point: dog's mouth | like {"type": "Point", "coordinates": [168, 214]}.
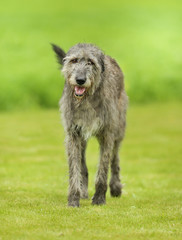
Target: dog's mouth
{"type": "Point", "coordinates": [79, 91]}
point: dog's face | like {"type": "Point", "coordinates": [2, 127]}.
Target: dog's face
{"type": "Point", "coordinates": [82, 68]}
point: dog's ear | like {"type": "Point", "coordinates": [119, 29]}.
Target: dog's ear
{"type": "Point", "coordinates": [102, 62]}
{"type": "Point", "coordinates": [60, 54]}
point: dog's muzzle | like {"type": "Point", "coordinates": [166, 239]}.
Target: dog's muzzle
{"type": "Point", "coordinates": [80, 81]}
{"type": "Point", "coordinates": [79, 88]}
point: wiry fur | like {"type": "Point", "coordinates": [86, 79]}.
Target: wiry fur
{"type": "Point", "coordinates": [100, 113]}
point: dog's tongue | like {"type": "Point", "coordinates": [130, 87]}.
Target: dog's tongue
{"type": "Point", "coordinates": [79, 90]}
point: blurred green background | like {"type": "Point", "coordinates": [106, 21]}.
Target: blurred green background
{"type": "Point", "coordinates": [145, 37]}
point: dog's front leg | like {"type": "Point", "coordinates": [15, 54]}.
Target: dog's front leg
{"type": "Point", "coordinates": [84, 172]}
{"type": "Point", "coordinates": [106, 148]}
{"type": "Point", "coordinates": [74, 161]}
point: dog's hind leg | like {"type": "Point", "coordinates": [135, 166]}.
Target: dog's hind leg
{"type": "Point", "coordinates": [84, 172]}
{"type": "Point", "coordinates": [115, 183]}
{"type": "Point", "coordinates": [106, 148]}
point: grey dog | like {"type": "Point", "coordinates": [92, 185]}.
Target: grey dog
{"type": "Point", "coordinates": [93, 103]}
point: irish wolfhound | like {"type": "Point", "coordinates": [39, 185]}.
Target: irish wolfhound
{"type": "Point", "coordinates": [93, 103]}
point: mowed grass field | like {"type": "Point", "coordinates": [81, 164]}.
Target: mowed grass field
{"type": "Point", "coordinates": [34, 179]}
{"type": "Point", "coordinates": [145, 37]}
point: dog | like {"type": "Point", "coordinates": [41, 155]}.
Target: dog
{"type": "Point", "coordinates": [94, 103]}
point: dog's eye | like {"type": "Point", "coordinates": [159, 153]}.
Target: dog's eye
{"type": "Point", "coordinates": [75, 60]}
{"type": "Point", "coordinates": [90, 62]}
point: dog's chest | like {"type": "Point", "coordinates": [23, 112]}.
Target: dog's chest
{"type": "Point", "coordinates": [87, 120]}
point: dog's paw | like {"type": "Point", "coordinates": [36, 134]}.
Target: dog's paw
{"type": "Point", "coordinates": [84, 196]}
{"type": "Point", "coordinates": [99, 199]}
{"type": "Point", "coordinates": [116, 189]}
{"type": "Point", "coordinates": [73, 203]}
{"type": "Point", "coordinates": [74, 200]}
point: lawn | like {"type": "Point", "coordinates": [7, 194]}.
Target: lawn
{"type": "Point", "coordinates": [34, 179]}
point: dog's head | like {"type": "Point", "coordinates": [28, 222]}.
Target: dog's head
{"type": "Point", "coordinates": [83, 67]}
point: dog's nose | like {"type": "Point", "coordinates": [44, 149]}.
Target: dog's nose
{"type": "Point", "coordinates": [80, 81]}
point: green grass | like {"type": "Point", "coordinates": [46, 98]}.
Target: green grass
{"type": "Point", "coordinates": [145, 37]}
{"type": "Point", "coordinates": [34, 179]}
